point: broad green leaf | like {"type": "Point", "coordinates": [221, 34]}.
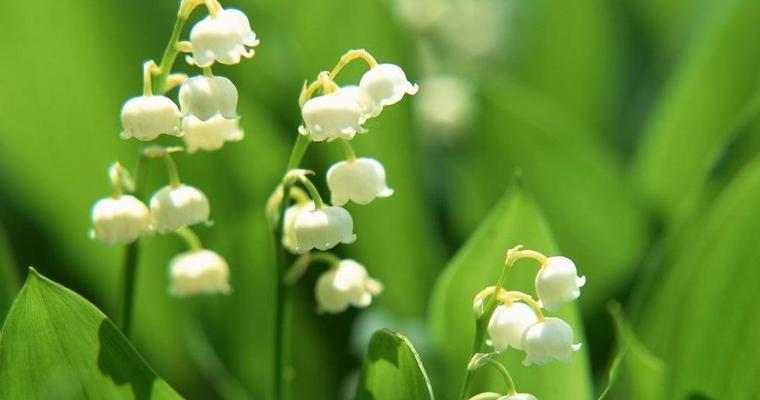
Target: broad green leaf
{"type": "Point", "coordinates": [697, 316]}
{"type": "Point", "coordinates": [9, 281]}
{"type": "Point", "coordinates": [55, 344]}
{"type": "Point", "coordinates": [514, 220]}
{"type": "Point", "coordinates": [392, 370]}
{"type": "Point", "coordinates": [690, 123]}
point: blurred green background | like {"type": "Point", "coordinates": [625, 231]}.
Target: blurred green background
{"type": "Point", "coordinates": [634, 125]}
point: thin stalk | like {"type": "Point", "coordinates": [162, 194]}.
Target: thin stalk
{"type": "Point", "coordinates": [131, 255]}
{"type": "Point", "coordinates": [169, 56]}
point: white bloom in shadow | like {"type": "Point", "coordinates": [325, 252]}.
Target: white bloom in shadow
{"type": "Point", "coordinates": [289, 240]}
{"type": "Point", "coordinates": [547, 340]}
{"type": "Point", "coordinates": [323, 228]}
{"type": "Point", "coordinates": [198, 272]}
{"type": "Point", "coordinates": [346, 284]}
{"type": "Point", "coordinates": [518, 396]}
{"type": "Point", "coordinates": [175, 207]}
{"type": "Point", "coordinates": [120, 220]}
{"type": "Point", "coordinates": [558, 282]}
{"type": "Point", "coordinates": [359, 180]}
{"type": "Point", "coordinates": [146, 117]}
{"type": "Point", "coordinates": [210, 135]}
{"type": "Point", "coordinates": [224, 37]}
{"type": "Point", "coordinates": [204, 97]}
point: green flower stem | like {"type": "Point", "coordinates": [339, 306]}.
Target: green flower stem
{"type": "Point", "coordinates": [348, 150]}
{"type": "Point", "coordinates": [283, 370]}
{"type": "Point", "coordinates": [505, 374]}
{"type": "Point", "coordinates": [313, 192]}
{"type": "Point", "coordinates": [171, 171]}
{"type": "Point", "coordinates": [192, 240]}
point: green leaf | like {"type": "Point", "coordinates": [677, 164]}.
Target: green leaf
{"type": "Point", "coordinates": [392, 370]}
{"type": "Point", "coordinates": [698, 315]}
{"type": "Point", "coordinates": [515, 220]}
{"type": "Point", "coordinates": [55, 344]}
{"type": "Point", "coordinates": [688, 128]}
{"type": "Point", "coordinates": [9, 281]}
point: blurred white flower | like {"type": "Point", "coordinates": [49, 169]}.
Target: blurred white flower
{"type": "Point", "coordinates": [120, 220]}
{"type": "Point", "coordinates": [474, 28]}
{"type": "Point", "coordinates": [146, 117]}
{"type": "Point", "coordinates": [223, 37]}
{"type": "Point", "coordinates": [332, 116]}
{"type": "Point", "coordinates": [204, 97]}
{"type": "Point", "coordinates": [346, 284]}
{"type": "Point", "coordinates": [289, 227]}
{"type": "Point", "coordinates": [211, 134]}
{"type": "Point", "coordinates": [420, 14]}
{"type": "Point", "coordinates": [323, 228]}
{"type": "Point", "coordinates": [546, 340]}
{"type": "Point", "coordinates": [558, 282]}
{"type": "Point", "coordinates": [518, 396]}
{"type": "Point", "coordinates": [385, 84]}
{"type": "Point", "coordinates": [359, 180]}
{"type": "Point", "coordinates": [198, 272]}
{"type": "Point", "coordinates": [175, 207]}
{"type": "Point", "coordinates": [508, 323]}
{"type": "Point", "coordinates": [445, 106]}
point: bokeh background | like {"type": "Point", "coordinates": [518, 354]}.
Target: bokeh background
{"type": "Point", "coordinates": [634, 125]}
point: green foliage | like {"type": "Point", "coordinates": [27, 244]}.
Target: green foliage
{"type": "Point", "coordinates": [392, 370]}
{"type": "Point", "coordinates": [514, 220]}
{"type": "Point", "coordinates": [55, 344]}
{"type": "Point", "coordinates": [9, 281]}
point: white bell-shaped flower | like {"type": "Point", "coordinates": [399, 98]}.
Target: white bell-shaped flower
{"type": "Point", "coordinates": [359, 180]}
{"type": "Point", "coordinates": [558, 282]}
{"type": "Point", "coordinates": [518, 396]}
{"type": "Point", "coordinates": [120, 220]}
{"type": "Point", "coordinates": [385, 84]}
{"type": "Point", "coordinates": [146, 117]}
{"type": "Point", "coordinates": [289, 240]}
{"type": "Point", "coordinates": [224, 37]}
{"type": "Point", "coordinates": [198, 272]}
{"type": "Point", "coordinates": [508, 323]}
{"type": "Point", "coordinates": [347, 284]}
{"type": "Point", "coordinates": [211, 134]}
{"type": "Point", "coordinates": [205, 97]}
{"type": "Point", "coordinates": [361, 98]}
{"type": "Point", "coordinates": [175, 207]}
{"type": "Point", "coordinates": [547, 340]}
{"type": "Point", "coordinates": [323, 228]}
{"type": "Point", "coordinates": [332, 116]}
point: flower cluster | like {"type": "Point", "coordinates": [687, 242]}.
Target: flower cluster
{"type": "Point", "coordinates": [515, 319]}
{"type": "Point", "coordinates": [205, 119]}
{"type": "Point", "coordinates": [332, 113]}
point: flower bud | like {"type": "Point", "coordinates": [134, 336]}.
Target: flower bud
{"type": "Point", "coordinates": [120, 220]}
{"type": "Point", "coordinates": [175, 207]}
{"type": "Point", "coordinates": [359, 180]}
{"type": "Point", "coordinates": [205, 97]}
{"type": "Point", "coordinates": [323, 228]}
{"type": "Point", "coordinates": [558, 282]}
{"type": "Point", "coordinates": [518, 396]}
{"type": "Point", "coordinates": [146, 117]}
{"type": "Point", "coordinates": [508, 323]}
{"type": "Point", "coordinates": [332, 116]}
{"type": "Point", "coordinates": [385, 84]}
{"type": "Point", "coordinates": [289, 228]}
{"type": "Point", "coordinates": [198, 272]}
{"type": "Point", "coordinates": [347, 284]}
{"type": "Point", "coordinates": [222, 37]}
{"type": "Point", "coordinates": [551, 338]}
{"type": "Point", "coordinates": [210, 135]}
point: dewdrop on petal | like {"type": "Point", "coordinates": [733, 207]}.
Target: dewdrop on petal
{"type": "Point", "coordinates": [323, 228]}
{"type": "Point", "coordinates": [198, 272]}
{"type": "Point", "coordinates": [347, 284]}
{"type": "Point", "coordinates": [210, 135]}
{"type": "Point", "coordinates": [385, 84]}
{"type": "Point", "coordinates": [175, 207]}
{"type": "Point", "coordinates": [120, 220]}
{"type": "Point", "coordinates": [332, 116]}
{"type": "Point", "coordinates": [289, 227]}
{"type": "Point", "coordinates": [508, 323]}
{"type": "Point", "coordinates": [518, 396]}
{"type": "Point", "coordinates": [146, 117]}
{"type": "Point", "coordinates": [223, 38]}
{"type": "Point", "coordinates": [359, 180]}
{"type": "Point", "coordinates": [547, 340]}
{"type": "Point", "coordinates": [558, 282]}
{"type": "Point", "coordinates": [204, 97]}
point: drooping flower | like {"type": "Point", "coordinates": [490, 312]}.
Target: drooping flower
{"type": "Point", "coordinates": [558, 282]}
{"type": "Point", "coordinates": [547, 340]}
{"type": "Point", "coordinates": [518, 396]}
{"type": "Point", "coordinates": [146, 117]}
{"type": "Point", "coordinates": [508, 323]}
{"type": "Point", "coordinates": [175, 207]}
{"type": "Point", "coordinates": [332, 116]}
{"type": "Point", "coordinates": [323, 228]}
{"type": "Point", "coordinates": [120, 220]}
{"type": "Point", "coordinates": [289, 240]}
{"type": "Point", "coordinates": [347, 284]}
{"type": "Point", "coordinates": [205, 97]}
{"type": "Point", "coordinates": [198, 272]}
{"type": "Point", "coordinates": [211, 134]}
{"type": "Point", "coordinates": [224, 37]}
{"type": "Point", "coordinates": [359, 180]}
{"type": "Point", "coordinates": [385, 84]}
{"type": "Point", "coordinates": [445, 106]}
